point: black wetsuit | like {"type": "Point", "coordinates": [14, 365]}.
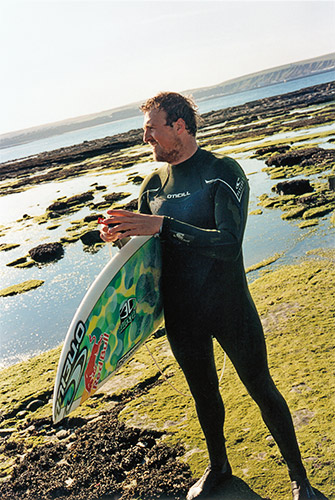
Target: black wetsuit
{"type": "Point", "coordinates": [205, 292]}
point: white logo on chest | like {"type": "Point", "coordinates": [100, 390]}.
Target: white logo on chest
{"type": "Point", "coordinates": [177, 195]}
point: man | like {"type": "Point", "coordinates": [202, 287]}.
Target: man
{"type": "Point", "coordinates": [198, 206]}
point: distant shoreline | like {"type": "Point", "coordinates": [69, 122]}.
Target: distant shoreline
{"type": "Point", "coordinates": [266, 78]}
{"type": "Point", "coordinates": [316, 94]}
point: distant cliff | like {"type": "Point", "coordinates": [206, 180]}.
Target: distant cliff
{"type": "Point", "coordinates": [255, 80]}
{"type": "Point", "coordinates": [267, 77]}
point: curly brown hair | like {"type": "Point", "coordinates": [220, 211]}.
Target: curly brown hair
{"type": "Point", "coordinates": [175, 106]}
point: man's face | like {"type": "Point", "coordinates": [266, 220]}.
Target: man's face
{"type": "Point", "coordinates": [163, 139]}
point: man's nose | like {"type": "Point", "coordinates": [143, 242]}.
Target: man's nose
{"type": "Point", "coordinates": [146, 135]}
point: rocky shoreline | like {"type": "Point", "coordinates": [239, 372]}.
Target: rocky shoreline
{"type": "Point", "coordinates": [237, 129]}
{"type": "Point", "coordinates": [138, 439]}
{"type": "Point", "coordinates": [56, 165]}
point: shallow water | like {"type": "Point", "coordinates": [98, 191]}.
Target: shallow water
{"type": "Point", "coordinates": [38, 320]}
{"type": "Point", "coordinates": [116, 127]}
{"type": "Point", "coordinates": [290, 135]}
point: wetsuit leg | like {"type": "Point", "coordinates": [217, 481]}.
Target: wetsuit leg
{"type": "Point", "coordinates": [193, 350]}
{"type": "Point", "coordinates": [244, 343]}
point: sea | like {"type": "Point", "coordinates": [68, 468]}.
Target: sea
{"type": "Point", "coordinates": [37, 321]}
{"type": "Point", "coordinates": [119, 126]}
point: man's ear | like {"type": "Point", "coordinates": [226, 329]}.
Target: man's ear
{"type": "Point", "coordinates": [179, 126]}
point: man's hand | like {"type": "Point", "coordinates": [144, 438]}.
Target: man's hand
{"type": "Point", "coordinates": [127, 223]}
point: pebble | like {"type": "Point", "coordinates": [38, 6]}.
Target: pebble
{"type": "Point", "coordinates": [62, 434]}
{"type": "Point", "coordinates": [7, 432]}
{"type": "Point", "coordinates": [33, 405]}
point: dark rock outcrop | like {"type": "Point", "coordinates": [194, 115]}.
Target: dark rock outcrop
{"type": "Point", "coordinates": [92, 217]}
{"type": "Point", "coordinates": [301, 157]}
{"type": "Point", "coordinates": [113, 197]}
{"type": "Point", "coordinates": [77, 199]}
{"type": "Point", "coordinates": [131, 205]}
{"type": "Point", "coordinates": [91, 238]}
{"type": "Point", "coordinates": [296, 186]}
{"type": "Point", "coordinates": [47, 252]}
{"type": "Point", "coordinates": [136, 179]}
{"type": "Point", "coordinates": [272, 149]}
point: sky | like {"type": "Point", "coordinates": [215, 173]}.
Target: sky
{"type": "Point", "coordinates": [67, 58]}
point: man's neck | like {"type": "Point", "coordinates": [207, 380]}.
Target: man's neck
{"type": "Point", "coordinates": [186, 153]}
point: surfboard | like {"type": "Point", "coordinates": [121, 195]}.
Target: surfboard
{"type": "Point", "coordinates": [120, 310]}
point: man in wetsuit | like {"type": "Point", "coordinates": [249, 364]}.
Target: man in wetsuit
{"type": "Point", "coordinates": [197, 204]}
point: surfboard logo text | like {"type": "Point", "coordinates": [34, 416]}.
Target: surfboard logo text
{"type": "Point", "coordinates": [127, 313]}
{"type": "Point", "coordinates": [94, 368]}
{"type": "Point", "coordinates": [73, 369]}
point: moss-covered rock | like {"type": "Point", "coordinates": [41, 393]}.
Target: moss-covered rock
{"type": "Point", "coordinates": [26, 286]}
{"type": "Point", "coordinates": [309, 223]}
{"type": "Point", "coordinates": [318, 211]}
{"type": "Point", "coordinates": [264, 263]}
{"type": "Point", "coordinates": [17, 262]}
{"type": "Point", "coordinates": [5, 247]}
{"type": "Point", "coordinates": [293, 213]}
{"type": "Point", "coordinates": [296, 304]}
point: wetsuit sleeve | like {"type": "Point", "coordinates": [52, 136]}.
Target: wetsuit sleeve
{"type": "Point", "coordinates": [143, 205]}
{"type": "Point", "coordinates": [225, 241]}
{"type": "Point", "coordinates": [151, 185]}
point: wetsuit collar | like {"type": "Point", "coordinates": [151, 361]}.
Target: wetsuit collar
{"type": "Point", "coordinates": [189, 161]}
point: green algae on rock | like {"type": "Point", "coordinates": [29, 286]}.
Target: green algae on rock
{"type": "Point", "coordinates": [309, 223]}
{"type": "Point", "coordinates": [293, 213]}
{"type": "Point", "coordinates": [21, 288]}
{"type": "Point", "coordinates": [264, 263]}
{"type": "Point", "coordinates": [296, 304]}
{"type": "Point", "coordinates": [17, 262]}
{"type": "Point", "coordinates": [5, 247]}
{"type": "Point", "coordinates": [318, 211]}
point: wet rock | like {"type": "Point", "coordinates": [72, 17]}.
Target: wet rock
{"type": "Point", "coordinates": [62, 434]}
{"type": "Point", "coordinates": [57, 206]}
{"type": "Point", "coordinates": [10, 446]}
{"type": "Point", "coordinates": [318, 211]}
{"type": "Point", "coordinates": [113, 197]}
{"type": "Point", "coordinates": [16, 262]}
{"type": "Point", "coordinates": [47, 252]}
{"type": "Point", "coordinates": [35, 404]}
{"type": "Point", "coordinates": [80, 198]}
{"type": "Point", "coordinates": [5, 247]}
{"type": "Point", "coordinates": [131, 205]}
{"type": "Point", "coordinates": [20, 288]}
{"type": "Point", "coordinates": [297, 186]}
{"type": "Point", "coordinates": [22, 414]}
{"type": "Point", "coordinates": [302, 417]}
{"type": "Point", "coordinates": [64, 205]}
{"type": "Point", "coordinates": [331, 182]}
{"type": "Point", "coordinates": [272, 149]}
{"type": "Point", "coordinates": [7, 432]}
{"type": "Point", "coordinates": [93, 217]}
{"type": "Point", "coordinates": [30, 429]}
{"type": "Point", "coordinates": [303, 157]}
{"type": "Point", "coordinates": [293, 213]}
{"type": "Point", "coordinates": [136, 179]}
{"type": "Point", "coordinates": [91, 237]}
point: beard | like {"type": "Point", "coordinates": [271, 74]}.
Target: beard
{"type": "Point", "coordinates": [171, 155]}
